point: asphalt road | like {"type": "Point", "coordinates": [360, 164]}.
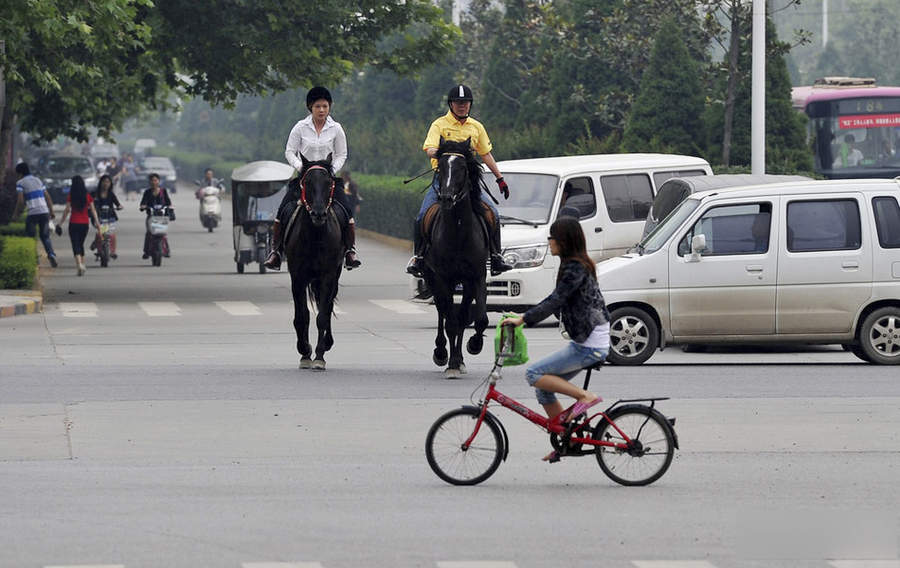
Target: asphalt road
{"type": "Point", "coordinates": [156, 417]}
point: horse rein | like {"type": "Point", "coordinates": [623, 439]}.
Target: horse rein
{"type": "Point", "coordinates": [303, 188]}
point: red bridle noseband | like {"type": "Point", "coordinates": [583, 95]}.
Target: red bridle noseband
{"type": "Point", "coordinates": [303, 188]}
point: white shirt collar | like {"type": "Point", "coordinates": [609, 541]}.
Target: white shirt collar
{"type": "Point", "coordinates": [308, 121]}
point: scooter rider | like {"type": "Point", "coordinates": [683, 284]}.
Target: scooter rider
{"type": "Point", "coordinates": [208, 181]}
{"type": "Point", "coordinates": [155, 195]}
{"type": "Point", "coordinates": [316, 136]}
{"type": "Point", "coordinates": [457, 126]}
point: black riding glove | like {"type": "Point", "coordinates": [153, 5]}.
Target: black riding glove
{"type": "Point", "coordinates": [504, 189]}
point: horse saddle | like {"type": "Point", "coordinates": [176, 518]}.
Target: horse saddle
{"type": "Point", "coordinates": [487, 217]}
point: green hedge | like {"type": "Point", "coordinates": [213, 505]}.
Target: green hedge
{"type": "Point", "coordinates": [16, 228]}
{"type": "Point", "coordinates": [389, 207]}
{"type": "Point", "coordinates": [18, 262]}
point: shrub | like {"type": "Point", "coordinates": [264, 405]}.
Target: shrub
{"type": "Point", "coordinates": [389, 207]}
{"type": "Point", "coordinates": [18, 262]}
{"type": "Point", "coordinates": [16, 228]}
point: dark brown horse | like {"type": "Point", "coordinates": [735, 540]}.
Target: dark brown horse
{"type": "Point", "coordinates": [456, 258]}
{"type": "Point", "coordinates": [314, 249]}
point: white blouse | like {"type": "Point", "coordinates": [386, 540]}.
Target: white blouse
{"type": "Point", "coordinates": [316, 145]}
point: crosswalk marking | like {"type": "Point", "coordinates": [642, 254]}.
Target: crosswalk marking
{"type": "Point", "coordinates": [281, 565]}
{"type": "Point", "coordinates": [399, 306]}
{"type": "Point", "coordinates": [89, 566]}
{"type": "Point", "coordinates": [336, 309]}
{"type": "Point", "coordinates": [672, 564]}
{"type": "Point", "coordinates": [476, 564]}
{"type": "Point", "coordinates": [240, 308]}
{"type": "Point", "coordinates": [865, 563]}
{"type": "Point", "coordinates": [78, 309]}
{"type": "Point", "coordinates": [160, 309]}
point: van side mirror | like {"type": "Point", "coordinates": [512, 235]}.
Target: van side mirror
{"type": "Point", "coordinates": [698, 245]}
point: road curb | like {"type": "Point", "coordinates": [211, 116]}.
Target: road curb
{"type": "Point", "coordinates": [396, 242]}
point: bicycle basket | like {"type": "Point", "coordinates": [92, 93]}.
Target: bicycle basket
{"type": "Point", "coordinates": [510, 343]}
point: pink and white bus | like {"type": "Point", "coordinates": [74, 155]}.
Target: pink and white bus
{"type": "Point", "coordinates": [854, 127]}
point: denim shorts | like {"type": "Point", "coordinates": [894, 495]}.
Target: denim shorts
{"type": "Point", "coordinates": [565, 363]}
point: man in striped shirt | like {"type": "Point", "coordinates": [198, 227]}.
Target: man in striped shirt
{"type": "Point", "coordinates": [32, 194]}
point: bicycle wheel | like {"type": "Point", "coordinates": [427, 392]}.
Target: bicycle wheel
{"type": "Point", "coordinates": [443, 447]}
{"type": "Point", "coordinates": [651, 452]}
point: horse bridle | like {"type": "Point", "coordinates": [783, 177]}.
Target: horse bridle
{"type": "Point", "coordinates": [457, 197]}
{"type": "Point", "coordinates": [303, 188]}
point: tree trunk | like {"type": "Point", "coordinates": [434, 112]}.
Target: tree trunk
{"type": "Point", "coordinates": [730, 90]}
{"type": "Point", "coordinates": [7, 190]}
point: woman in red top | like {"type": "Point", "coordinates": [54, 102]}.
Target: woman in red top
{"type": "Point", "coordinates": [81, 205]}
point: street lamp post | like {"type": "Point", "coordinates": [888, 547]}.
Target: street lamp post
{"type": "Point", "coordinates": [758, 91]}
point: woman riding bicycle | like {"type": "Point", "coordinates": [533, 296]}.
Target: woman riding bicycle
{"type": "Point", "coordinates": [578, 303]}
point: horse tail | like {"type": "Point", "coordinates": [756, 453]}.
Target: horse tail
{"type": "Point", "coordinates": [313, 292]}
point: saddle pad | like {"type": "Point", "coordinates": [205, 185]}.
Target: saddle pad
{"type": "Point", "coordinates": [431, 213]}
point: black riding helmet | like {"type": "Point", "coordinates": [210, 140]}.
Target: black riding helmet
{"type": "Point", "coordinates": [315, 94]}
{"type": "Point", "coordinates": [459, 93]}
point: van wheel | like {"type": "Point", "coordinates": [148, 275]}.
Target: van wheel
{"type": "Point", "coordinates": [879, 336]}
{"type": "Point", "coordinates": [633, 336]}
{"type": "Point", "coordinates": [859, 352]}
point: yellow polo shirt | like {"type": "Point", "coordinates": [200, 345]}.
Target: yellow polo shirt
{"type": "Point", "coordinates": [451, 129]}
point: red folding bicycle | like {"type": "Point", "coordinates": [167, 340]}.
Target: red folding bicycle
{"type": "Point", "coordinates": [634, 443]}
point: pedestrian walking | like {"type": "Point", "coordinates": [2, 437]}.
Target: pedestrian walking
{"type": "Point", "coordinates": [32, 194]}
{"type": "Point", "coordinates": [81, 205]}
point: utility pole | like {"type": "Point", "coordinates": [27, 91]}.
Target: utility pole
{"type": "Point", "coordinates": [758, 91]}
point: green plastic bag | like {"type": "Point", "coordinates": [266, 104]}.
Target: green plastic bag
{"type": "Point", "coordinates": [515, 351]}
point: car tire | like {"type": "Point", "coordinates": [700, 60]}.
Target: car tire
{"type": "Point", "coordinates": [879, 336]}
{"type": "Point", "coordinates": [634, 336]}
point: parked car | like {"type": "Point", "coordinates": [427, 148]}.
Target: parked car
{"type": "Point", "coordinates": [676, 190]}
{"type": "Point", "coordinates": [813, 262]}
{"type": "Point", "coordinates": [610, 194]}
{"type": "Point", "coordinates": [162, 166]}
{"type": "Point", "coordinates": [57, 170]}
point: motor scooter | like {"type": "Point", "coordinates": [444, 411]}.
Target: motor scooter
{"type": "Point", "coordinates": [105, 233]}
{"type": "Point", "coordinates": [158, 227]}
{"type": "Point", "coordinates": [210, 204]}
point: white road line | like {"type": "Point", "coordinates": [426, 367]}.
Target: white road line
{"type": "Point", "coordinates": [399, 306]}
{"type": "Point", "coordinates": [78, 309]}
{"type": "Point", "coordinates": [865, 563]}
{"type": "Point", "coordinates": [476, 564]}
{"type": "Point", "coordinates": [88, 566]}
{"type": "Point", "coordinates": [281, 565]}
{"type": "Point", "coordinates": [160, 309]}
{"type": "Point", "coordinates": [672, 564]}
{"type": "Point", "coordinates": [240, 308]}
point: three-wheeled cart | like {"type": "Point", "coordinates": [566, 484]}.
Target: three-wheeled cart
{"type": "Point", "coordinates": [257, 189]}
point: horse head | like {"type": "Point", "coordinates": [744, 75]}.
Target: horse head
{"type": "Point", "coordinates": [455, 161]}
{"type": "Point", "coordinates": [317, 189]}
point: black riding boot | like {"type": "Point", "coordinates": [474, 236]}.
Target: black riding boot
{"type": "Point", "coordinates": [273, 261]}
{"type": "Point", "coordinates": [351, 261]}
{"type": "Point", "coordinates": [498, 265]}
{"type": "Point", "coordinates": [417, 263]}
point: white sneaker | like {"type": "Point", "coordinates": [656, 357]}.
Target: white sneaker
{"type": "Point", "coordinates": [81, 269]}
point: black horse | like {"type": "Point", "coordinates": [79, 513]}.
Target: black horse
{"type": "Point", "coordinates": [456, 258]}
{"type": "Point", "coordinates": [315, 249]}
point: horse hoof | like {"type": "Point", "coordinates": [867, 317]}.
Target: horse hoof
{"type": "Point", "coordinates": [440, 358]}
{"type": "Point", "coordinates": [475, 344]}
{"type": "Point", "coordinates": [452, 374]}
{"type": "Point", "coordinates": [318, 365]}
{"type": "Point", "coordinates": [305, 363]}
{"type": "Point", "coordinates": [462, 369]}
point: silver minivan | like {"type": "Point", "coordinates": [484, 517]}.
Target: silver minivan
{"type": "Point", "coordinates": [800, 262]}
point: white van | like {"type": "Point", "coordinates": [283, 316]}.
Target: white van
{"type": "Point", "coordinates": [611, 195]}
{"type": "Point", "coordinates": [801, 262]}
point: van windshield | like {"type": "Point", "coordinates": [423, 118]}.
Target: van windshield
{"type": "Point", "coordinates": [530, 197]}
{"type": "Point", "coordinates": [670, 224]}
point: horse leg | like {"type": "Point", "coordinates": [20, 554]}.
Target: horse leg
{"type": "Point", "coordinates": [301, 320]}
{"type": "Point", "coordinates": [323, 323]}
{"type": "Point", "coordinates": [440, 355]}
{"type": "Point", "coordinates": [454, 335]}
{"type": "Point", "coordinates": [480, 318]}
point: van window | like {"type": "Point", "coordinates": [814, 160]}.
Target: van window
{"type": "Point", "coordinates": [660, 178]}
{"type": "Point", "coordinates": [628, 197]}
{"type": "Point", "coordinates": [578, 199]}
{"type": "Point", "coordinates": [732, 229]}
{"type": "Point", "coordinates": [823, 225]}
{"type": "Point", "coordinates": [887, 221]}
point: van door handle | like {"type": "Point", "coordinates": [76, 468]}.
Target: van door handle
{"type": "Point", "coordinates": [598, 229]}
{"type": "Point", "coordinates": [850, 265]}
{"type": "Point", "coordinates": [754, 268]}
